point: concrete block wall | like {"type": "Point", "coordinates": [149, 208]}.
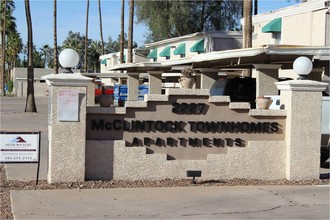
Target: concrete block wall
{"type": "Point", "coordinates": [293, 153]}
{"type": "Point", "coordinates": [257, 160]}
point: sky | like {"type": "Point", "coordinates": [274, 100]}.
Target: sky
{"type": "Point", "coordinates": [71, 16]}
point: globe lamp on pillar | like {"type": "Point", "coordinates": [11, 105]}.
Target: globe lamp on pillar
{"type": "Point", "coordinates": [68, 59]}
{"type": "Point", "coordinates": [302, 66]}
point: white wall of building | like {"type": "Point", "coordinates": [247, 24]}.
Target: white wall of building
{"type": "Point", "coordinates": [302, 24]}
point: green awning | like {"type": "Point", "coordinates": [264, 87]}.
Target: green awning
{"type": "Point", "coordinates": [181, 49]}
{"type": "Point", "coordinates": [104, 61]}
{"type": "Point", "coordinates": [198, 46]}
{"type": "Point", "coordinates": [152, 54]}
{"type": "Point", "coordinates": [274, 26]}
{"type": "Point", "coordinates": [166, 52]}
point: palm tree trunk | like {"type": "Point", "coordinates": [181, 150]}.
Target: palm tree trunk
{"type": "Point", "coordinates": [130, 32]}
{"type": "Point", "coordinates": [101, 29]}
{"type": "Point", "coordinates": [122, 31]}
{"type": "Point", "coordinates": [255, 11]}
{"type": "Point", "coordinates": [3, 51]}
{"type": "Point", "coordinates": [202, 21]}
{"type": "Point", "coordinates": [55, 38]}
{"type": "Point", "coordinates": [30, 101]}
{"type": "Point", "coordinates": [247, 31]}
{"type": "Point", "coordinates": [86, 38]}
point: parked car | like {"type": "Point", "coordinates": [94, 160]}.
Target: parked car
{"type": "Point", "coordinates": [100, 89]}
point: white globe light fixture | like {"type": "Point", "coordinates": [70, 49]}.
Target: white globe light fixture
{"type": "Point", "coordinates": [302, 66]}
{"type": "Point", "coordinates": [68, 59]}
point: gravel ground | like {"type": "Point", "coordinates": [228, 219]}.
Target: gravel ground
{"type": "Point", "coordinates": [7, 185]}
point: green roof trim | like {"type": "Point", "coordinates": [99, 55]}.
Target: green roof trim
{"type": "Point", "coordinates": [104, 61]}
{"type": "Point", "coordinates": [166, 52]}
{"type": "Point", "coordinates": [198, 46]}
{"type": "Point", "coordinates": [181, 49]}
{"type": "Point", "coordinates": [274, 26]}
{"type": "Point", "coordinates": [152, 54]}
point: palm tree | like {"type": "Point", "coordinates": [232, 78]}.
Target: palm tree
{"type": "Point", "coordinates": [247, 31]}
{"type": "Point", "coordinates": [45, 50]}
{"type": "Point", "coordinates": [95, 52]}
{"type": "Point", "coordinates": [14, 47]}
{"type": "Point", "coordinates": [255, 11]}
{"type": "Point", "coordinates": [30, 101]}
{"type": "Point", "coordinates": [7, 25]}
{"type": "Point", "coordinates": [3, 51]}
{"type": "Point", "coordinates": [101, 31]}
{"type": "Point", "coordinates": [130, 32]}
{"type": "Point", "coordinates": [86, 38]}
{"type": "Point", "coordinates": [55, 38]}
{"type": "Point", "coordinates": [122, 31]}
{"type": "Point", "coordinates": [24, 51]}
{"type": "Point", "coordinates": [73, 43]}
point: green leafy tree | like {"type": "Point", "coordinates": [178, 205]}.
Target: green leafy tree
{"type": "Point", "coordinates": [113, 46]}
{"type": "Point", "coordinates": [76, 42]}
{"type": "Point", "coordinates": [173, 18]}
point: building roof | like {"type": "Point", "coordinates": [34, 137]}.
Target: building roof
{"type": "Point", "coordinates": [308, 6]}
{"type": "Point", "coordinates": [195, 36]}
{"type": "Point", "coordinates": [283, 55]}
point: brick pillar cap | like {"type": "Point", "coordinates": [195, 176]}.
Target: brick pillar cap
{"type": "Point", "coordinates": [67, 79]}
{"type": "Point", "coordinates": [301, 85]}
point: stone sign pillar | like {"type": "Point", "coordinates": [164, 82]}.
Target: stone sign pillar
{"type": "Point", "coordinates": [208, 77]}
{"type": "Point", "coordinates": [302, 100]}
{"type": "Point", "coordinates": [266, 76]}
{"type": "Point", "coordinates": [155, 82]}
{"type": "Point", "coordinates": [132, 86]}
{"type": "Point", "coordinates": [67, 127]}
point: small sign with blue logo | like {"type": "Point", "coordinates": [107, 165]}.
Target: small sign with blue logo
{"type": "Point", "coordinates": [120, 92]}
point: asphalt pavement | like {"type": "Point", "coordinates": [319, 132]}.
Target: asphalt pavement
{"type": "Point", "coordinates": [196, 202]}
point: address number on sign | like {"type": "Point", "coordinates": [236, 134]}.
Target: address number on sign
{"type": "Point", "coordinates": [188, 108]}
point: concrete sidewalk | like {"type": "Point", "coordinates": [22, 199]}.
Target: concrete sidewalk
{"type": "Point", "coordinates": [196, 202]}
{"type": "Point", "coordinates": [263, 202]}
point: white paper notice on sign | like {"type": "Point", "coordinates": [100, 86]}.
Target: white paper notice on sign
{"type": "Point", "coordinates": [19, 147]}
{"type": "Point", "coordinates": [68, 105]}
